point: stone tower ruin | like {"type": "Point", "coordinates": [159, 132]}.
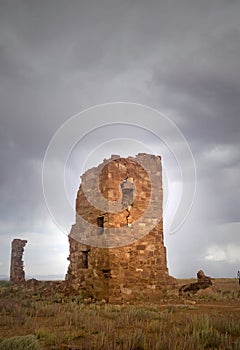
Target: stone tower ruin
{"type": "Point", "coordinates": [17, 274]}
{"type": "Point", "coordinates": [116, 245]}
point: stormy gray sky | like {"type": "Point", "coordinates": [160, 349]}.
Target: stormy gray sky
{"type": "Point", "coordinates": [180, 57]}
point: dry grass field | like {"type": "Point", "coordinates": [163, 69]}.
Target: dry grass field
{"type": "Point", "coordinates": [209, 319]}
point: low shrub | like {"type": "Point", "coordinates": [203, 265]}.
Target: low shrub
{"type": "Point", "coordinates": [27, 342]}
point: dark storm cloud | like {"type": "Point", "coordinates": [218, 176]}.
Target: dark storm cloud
{"type": "Point", "coordinates": [181, 57]}
{"type": "Point", "coordinates": [204, 86]}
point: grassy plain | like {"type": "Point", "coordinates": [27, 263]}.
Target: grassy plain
{"type": "Point", "coordinates": [208, 320]}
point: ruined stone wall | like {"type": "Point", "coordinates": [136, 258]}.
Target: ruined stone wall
{"type": "Point", "coordinates": [116, 244]}
{"type": "Point", "coordinates": [17, 274]}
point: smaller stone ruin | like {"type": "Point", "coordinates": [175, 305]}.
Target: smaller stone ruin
{"type": "Point", "coordinates": [203, 279]}
{"type": "Point", "coordinates": [17, 274]}
{"type": "Point", "coordinates": [202, 283]}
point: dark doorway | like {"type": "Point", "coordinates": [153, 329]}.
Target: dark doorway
{"type": "Point", "coordinates": [106, 273]}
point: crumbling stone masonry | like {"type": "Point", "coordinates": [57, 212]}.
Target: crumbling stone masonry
{"type": "Point", "coordinates": [203, 282]}
{"type": "Point", "coordinates": [17, 274]}
{"type": "Point", "coordinates": [116, 244]}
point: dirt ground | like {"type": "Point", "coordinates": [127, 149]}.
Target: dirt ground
{"type": "Point", "coordinates": [209, 319]}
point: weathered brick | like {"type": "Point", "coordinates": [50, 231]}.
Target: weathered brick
{"type": "Point", "coordinates": [126, 182]}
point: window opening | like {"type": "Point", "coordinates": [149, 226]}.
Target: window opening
{"type": "Point", "coordinates": [85, 259]}
{"type": "Point", "coordinates": [100, 223]}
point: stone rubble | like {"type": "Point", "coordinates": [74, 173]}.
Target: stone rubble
{"type": "Point", "coordinates": [202, 283]}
